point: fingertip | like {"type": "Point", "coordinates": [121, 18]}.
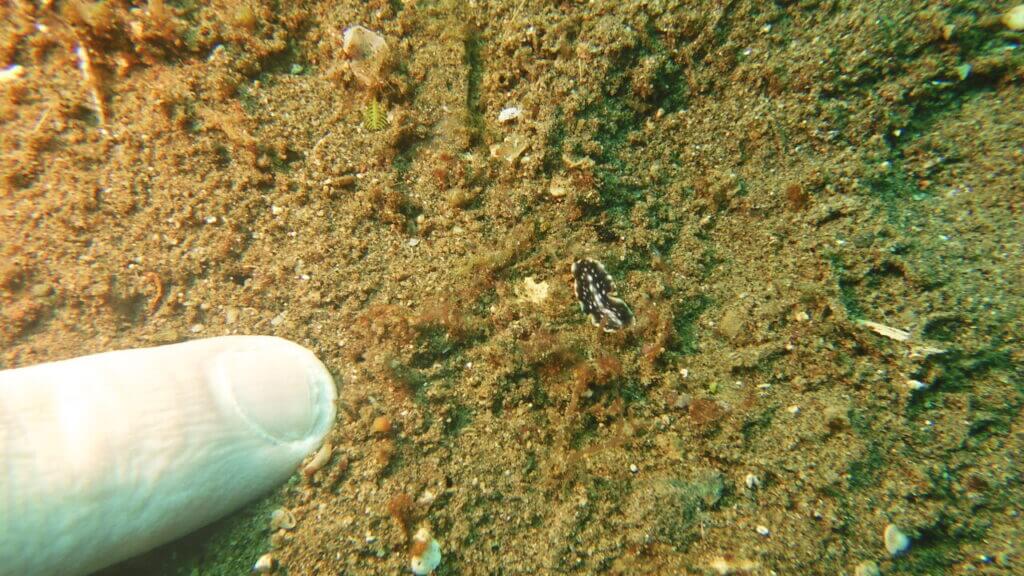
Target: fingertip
{"type": "Point", "coordinates": [280, 388]}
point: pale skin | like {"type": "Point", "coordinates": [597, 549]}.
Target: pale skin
{"type": "Point", "coordinates": [106, 456]}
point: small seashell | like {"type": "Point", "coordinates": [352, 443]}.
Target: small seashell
{"type": "Point", "coordinates": [510, 114]}
{"type": "Point", "coordinates": [752, 481]}
{"type": "Point", "coordinates": [510, 149]}
{"type": "Point", "coordinates": [322, 457]}
{"type": "Point", "coordinates": [282, 519]}
{"type": "Point", "coordinates": [265, 565]}
{"type": "Point", "coordinates": [763, 530]}
{"type": "Point", "coordinates": [867, 568]}
{"type": "Point", "coordinates": [896, 542]}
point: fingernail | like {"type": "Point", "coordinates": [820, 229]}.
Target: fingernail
{"type": "Point", "coordinates": [281, 389]}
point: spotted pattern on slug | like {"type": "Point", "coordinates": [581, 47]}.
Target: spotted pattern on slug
{"type": "Point", "coordinates": [596, 294]}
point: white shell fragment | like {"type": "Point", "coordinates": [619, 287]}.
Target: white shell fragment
{"type": "Point", "coordinates": [752, 481]}
{"type": "Point", "coordinates": [510, 114]}
{"type": "Point", "coordinates": [896, 542]}
{"type": "Point", "coordinates": [282, 519]}
{"type": "Point", "coordinates": [426, 553]}
{"type": "Point", "coordinates": [320, 459]}
{"type": "Point", "coordinates": [265, 564]}
{"type": "Point", "coordinates": [887, 331]}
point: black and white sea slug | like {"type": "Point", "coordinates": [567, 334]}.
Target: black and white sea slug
{"type": "Point", "coordinates": [596, 294]}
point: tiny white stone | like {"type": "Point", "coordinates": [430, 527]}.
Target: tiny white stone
{"type": "Point", "coordinates": [763, 530]}
{"type": "Point", "coordinates": [509, 114]}
{"type": "Point", "coordinates": [794, 409]}
{"type": "Point", "coordinates": [275, 210]}
{"type": "Point", "coordinates": [414, 241]}
{"type": "Point", "coordinates": [752, 481]}
{"type": "Point", "coordinates": [633, 468]}
{"type": "Point", "coordinates": [211, 219]}
{"type": "Point", "coordinates": [896, 542]}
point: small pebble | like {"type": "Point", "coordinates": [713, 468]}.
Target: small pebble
{"type": "Point", "coordinates": [763, 530]}
{"type": "Point", "coordinates": [896, 542]}
{"type": "Point", "coordinates": [633, 468]}
{"type": "Point", "coordinates": [752, 481]}
{"type": "Point", "coordinates": [867, 568]}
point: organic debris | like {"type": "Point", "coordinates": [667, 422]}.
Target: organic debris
{"type": "Point", "coordinates": [375, 116]}
{"type": "Point", "coordinates": [367, 53]}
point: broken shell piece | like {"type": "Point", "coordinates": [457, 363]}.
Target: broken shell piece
{"type": "Point", "coordinates": [367, 53]}
{"type": "Point", "coordinates": [896, 542]}
{"type": "Point", "coordinates": [265, 565]}
{"type": "Point", "coordinates": [322, 457]}
{"type": "Point", "coordinates": [559, 187]}
{"type": "Point", "coordinates": [282, 519]}
{"type": "Point", "coordinates": [510, 149]}
{"type": "Point", "coordinates": [532, 291]}
{"type": "Point", "coordinates": [728, 565]}
{"type": "Point", "coordinates": [887, 331]}
{"type": "Point", "coordinates": [425, 552]}
{"type": "Point", "coordinates": [510, 114]}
